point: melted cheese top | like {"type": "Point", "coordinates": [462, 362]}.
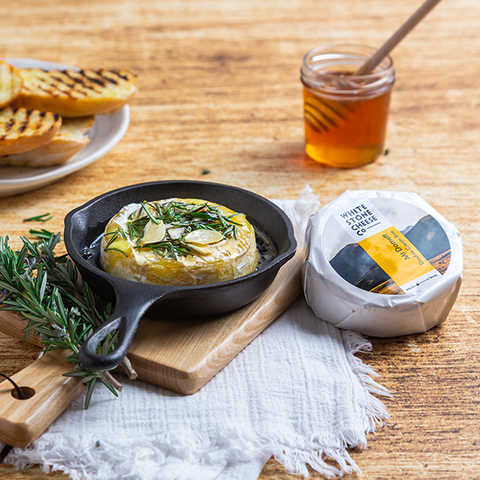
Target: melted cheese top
{"type": "Point", "coordinates": [211, 257]}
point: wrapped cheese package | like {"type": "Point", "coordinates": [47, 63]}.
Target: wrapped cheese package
{"type": "Point", "coordinates": [382, 263]}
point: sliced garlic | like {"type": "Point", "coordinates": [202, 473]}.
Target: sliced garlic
{"type": "Point", "coordinates": [203, 237]}
{"type": "Point", "coordinates": [201, 250]}
{"type": "Point", "coordinates": [153, 232]}
{"type": "Point", "coordinates": [176, 232]}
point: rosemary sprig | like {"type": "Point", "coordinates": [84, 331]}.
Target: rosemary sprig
{"type": "Point", "coordinates": [117, 249]}
{"type": "Point", "coordinates": [44, 217]}
{"type": "Point", "coordinates": [42, 287]}
{"type": "Point", "coordinates": [188, 216]}
{"type": "Point", "coordinates": [45, 234]}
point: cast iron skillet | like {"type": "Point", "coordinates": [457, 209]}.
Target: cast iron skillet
{"type": "Point", "coordinates": [85, 224]}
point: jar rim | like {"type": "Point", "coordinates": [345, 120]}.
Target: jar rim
{"type": "Point", "coordinates": [381, 79]}
{"type": "Point", "coordinates": [335, 48]}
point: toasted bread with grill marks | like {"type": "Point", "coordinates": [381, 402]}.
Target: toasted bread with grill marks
{"type": "Point", "coordinates": [22, 130]}
{"type": "Point", "coordinates": [72, 93]}
{"type": "Point", "coordinates": [69, 140]}
{"type": "Point", "coordinates": [10, 83]}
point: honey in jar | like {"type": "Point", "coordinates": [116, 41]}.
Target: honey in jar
{"type": "Point", "coordinates": [345, 115]}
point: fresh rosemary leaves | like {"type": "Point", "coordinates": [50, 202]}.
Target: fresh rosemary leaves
{"type": "Point", "coordinates": [39, 218]}
{"type": "Point", "coordinates": [179, 219]}
{"type": "Point", "coordinates": [42, 287]}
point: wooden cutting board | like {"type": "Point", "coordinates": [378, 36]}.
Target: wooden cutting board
{"type": "Point", "coordinates": [180, 356]}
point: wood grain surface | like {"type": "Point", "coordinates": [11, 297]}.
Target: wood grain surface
{"type": "Point", "coordinates": [219, 89]}
{"type": "Point", "coordinates": [22, 421]}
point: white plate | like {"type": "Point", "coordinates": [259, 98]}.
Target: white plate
{"type": "Point", "coordinates": [104, 135]}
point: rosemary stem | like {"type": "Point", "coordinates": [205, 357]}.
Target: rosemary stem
{"type": "Point", "coordinates": [129, 370]}
{"type": "Point", "coordinates": [110, 378]}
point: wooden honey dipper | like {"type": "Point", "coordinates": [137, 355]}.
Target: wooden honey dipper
{"type": "Point", "coordinates": [396, 38]}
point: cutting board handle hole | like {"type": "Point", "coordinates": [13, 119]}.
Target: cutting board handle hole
{"type": "Point", "coordinates": [27, 393]}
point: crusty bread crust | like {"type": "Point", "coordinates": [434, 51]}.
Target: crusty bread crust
{"type": "Point", "coordinates": [10, 83]}
{"type": "Point", "coordinates": [69, 140]}
{"type": "Point", "coordinates": [22, 130]}
{"type": "Point", "coordinates": [71, 93]}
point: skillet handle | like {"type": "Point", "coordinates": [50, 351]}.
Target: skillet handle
{"type": "Point", "coordinates": [125, 318]}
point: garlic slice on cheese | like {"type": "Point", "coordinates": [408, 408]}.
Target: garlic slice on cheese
{"type": "Point", "coordinates": [204, 256]}
{"type": "Point", "coordinates": [176, 232]}
{"type": "Point", "coordinates": [203, 237]}
{"type": "Point", "coordinates": [153, 233]}
{"type": "Point", "coordinates": [200, 250]}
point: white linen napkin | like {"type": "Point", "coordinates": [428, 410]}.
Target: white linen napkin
{"type": "Point", "coordinates": [296, 392]}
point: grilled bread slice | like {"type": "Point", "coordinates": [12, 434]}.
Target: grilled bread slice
{"type": "Point", "coordinates": [72, 93]}
{"type": "Point", "coordinates": [10, 83]}
{"type": "Point", "coordinates": [69, 140]}
{"type": "Point", "coordinates": [22, 130]}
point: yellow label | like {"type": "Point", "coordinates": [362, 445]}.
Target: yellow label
{"type": "Point", "coordinates": [396, 255]}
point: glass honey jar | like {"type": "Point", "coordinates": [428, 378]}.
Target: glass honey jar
{"type": "Point", "coordinates": [345, 114]}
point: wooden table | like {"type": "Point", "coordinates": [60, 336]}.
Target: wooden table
{"type": "Point", "coordinates": [220, 90]}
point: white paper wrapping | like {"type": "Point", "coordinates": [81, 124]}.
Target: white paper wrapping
{"type": "Point", "coordinates": [336, 300]}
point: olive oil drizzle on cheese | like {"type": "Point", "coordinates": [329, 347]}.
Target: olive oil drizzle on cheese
{"type": "Point", "coordinates": [178, 216]}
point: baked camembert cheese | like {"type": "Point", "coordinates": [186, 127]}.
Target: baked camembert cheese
{"type": "Point", "coordinates": [179, 242]}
